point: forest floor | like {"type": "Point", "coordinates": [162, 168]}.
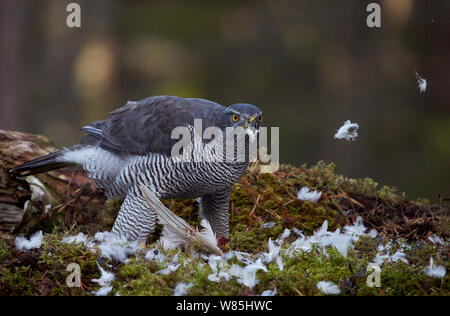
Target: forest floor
{"type": "Point", "coordinates": [402, 240]}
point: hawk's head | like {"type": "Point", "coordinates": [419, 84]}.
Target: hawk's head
{"type": "Point", "coordinates": [242, 115]}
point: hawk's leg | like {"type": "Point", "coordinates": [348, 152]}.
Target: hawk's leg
{"type": "Point", "coordinates": [214, 207]}
{"type": "Point", "coordinates": [135, 220]}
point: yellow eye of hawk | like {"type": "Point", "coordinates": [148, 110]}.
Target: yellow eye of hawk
{"type": "Point", "coordinates": [260, 118]}
{"type": "Point", "coordinates": [235, 118]}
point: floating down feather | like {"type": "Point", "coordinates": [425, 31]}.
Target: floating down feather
{"type": "Point", "coordinates": [204, 240]}
{"type": "Point", "coordinates": [348, 131]}
{"type": "Point", "coordinates": [421, 83]}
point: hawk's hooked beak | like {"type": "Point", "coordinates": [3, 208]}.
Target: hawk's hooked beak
{"type": "Point", "coordinates": [251, 128]}
{"type": "Point", "coordinates": [251, 122]}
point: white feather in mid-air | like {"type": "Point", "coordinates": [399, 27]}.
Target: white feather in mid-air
{"type": "Point", "coordinates": [348, 131]}
{"type": "Point", "coordinates": [421, 83]}
{"type": "Point", "coordinates": [305, 194]}
{"type": "Point", "coordinates": [23, 244]}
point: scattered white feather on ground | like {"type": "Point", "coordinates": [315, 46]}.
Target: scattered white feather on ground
{"type": "Point", "coordinates": [247, 275]}
{"type": "Point", "coordinates": [111, 245]}
{"type": "Point", "coordinates": [106, 277]}
{"type": "Point", "coordinates": [421, 83]}
{"type": "Point", "coordinates": [268, 225]}
{"type": "Point", "coordinates": [342, 242]}
{"type": "Point", "coordinates": [23, 244]}
{"type": "Point", "coordinates": [348, 131]}
{"type": "Point", "coordinates": [78, 239]}
{"type": "Point", "coordinates": [48, 207]}
{"type": "Point", "coordinates": [218, 264]}
{"type": "Point", "coordinates": [155, 254]}
{"type": "Point", "coordinates": [357, 229]}
{"type": "Point", "coordinates": [297, 231]}
{"type": "Point", "coordinates": [286, 234]}
{"type": "Point", "coordinates": [181, 289]}
{"type": "Point", "coordinates": [373, 233]}
{"type": "Point", "coordinates": [104, 281]}
{"type": "Point", "coordinates": [305, 194]}
{"type": "Point", "coordinates": [436, 240]}
{"type": "Point", "coordinates": [398, 255]}
{"type": "Point", "coordinates": [328, 288]}
{"type": "Point", "coordinates": [103, 291]}
{"type": "Point", "coordinates": [273, 254]}
{"type": "Point", "coordinates": [170, 268]}
{"type": "Point", "coordinates": [114, 247]}
{"type": "Point", "coordinates": [280, 263]}
{"type": "Point", "coordinates": [434, 271]}
{"type": "Point", "coordinates": [323, 238]}
{"type": "Point", "coordinates": [383, 256]}
{"type": "Point", "coordinates": [269, 292]}
{"type": "Point", "coordinates": [243, 257]}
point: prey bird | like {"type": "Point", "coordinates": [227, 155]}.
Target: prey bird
{"type": "Point", "coordinates": [133, 147]}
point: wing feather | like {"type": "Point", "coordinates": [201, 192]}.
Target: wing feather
{"type": "Point", "coordinates": [145, 126]}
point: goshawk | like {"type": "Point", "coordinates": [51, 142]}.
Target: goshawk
{"type": "Point", "coordinates": [134, 147]}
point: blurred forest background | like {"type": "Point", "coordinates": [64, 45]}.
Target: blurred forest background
{"type": "Point", "coordinates": [310, 65]}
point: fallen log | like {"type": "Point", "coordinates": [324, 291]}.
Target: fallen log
{"type": "Point", "coordinates": [54, 200]}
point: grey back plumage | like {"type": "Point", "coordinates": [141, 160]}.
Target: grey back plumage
{"type": "Point", "coordinates": [145, 126]}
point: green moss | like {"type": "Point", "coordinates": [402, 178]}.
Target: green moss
{"type": "Point", "coordinates": [17, 281]}
{"type": "Point", "coordinates": [257, 199]}
{"type": "Point", "coordinates": [43, 271]}
{"type": "Point", "coordinates": [139, 278]}
{"type": "Point", "coordinates": [4, 252]}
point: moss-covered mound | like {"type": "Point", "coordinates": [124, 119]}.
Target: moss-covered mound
{"type": "Point", "coordinates": [258, 199]}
